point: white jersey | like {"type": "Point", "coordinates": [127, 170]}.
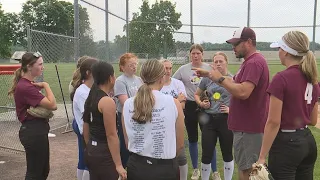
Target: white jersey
{"type": "Point", "coordinates": [80, 97]}
{"type": "Point", "coordinates": [174, 88]}
{"type": "Point", "coordinates": [155, 139]}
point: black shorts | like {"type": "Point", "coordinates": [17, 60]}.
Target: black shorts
{"type": "Point", "coordinates": [293, 155]}
{"type": "Point", "coordinates": [145, 168]}
{"type": "Point", "coordinates": [99, 161]}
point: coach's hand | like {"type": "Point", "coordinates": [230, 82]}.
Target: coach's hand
{"type": "Point", "coordinates": [261, 161]}
{"type": "Point", "coordinates": [201, 72]}
{"type": "Point", "coordinates": [122, 172]}
{"type": "Point", "coordinates": [214, 74]}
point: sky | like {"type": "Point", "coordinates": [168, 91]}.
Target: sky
{"type": "Point", "coordinates": [265, 16]}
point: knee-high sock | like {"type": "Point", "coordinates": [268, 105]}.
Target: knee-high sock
{"type": "Point", "coordinates": [183, 172]}
{"type": "Point", "coordinates": [79, 174]}
{"type": "Point", "coordinates": [228, 170]}
{"type": "Point", "coordinates": [205, 171]}
{"type": "Point", "coordinates": [86, 175]}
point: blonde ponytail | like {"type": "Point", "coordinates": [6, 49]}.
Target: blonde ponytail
{"type": "Point", "coordinates": [300, 42]}
{"type": "Point", "coordinates": [309, 67]}
{"type": "Point", "coordinates": [151, 72]}
{"type": "Point", "coordinates": [143, 104]}
{"type": "Point", "coordinates": [16, 78]}
{"type": "Point", "coordinates": [76, 77]}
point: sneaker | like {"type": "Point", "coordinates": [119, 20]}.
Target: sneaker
{"type": "Point", "coordinates": [216, 176]}
{"type": "Point", "coordinates": [51, 135]}
{"type": "Point", "coordinates": [195, 174]}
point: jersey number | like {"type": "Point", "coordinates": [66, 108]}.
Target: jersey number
{"type": "Point", "coordinates": [308, 93]}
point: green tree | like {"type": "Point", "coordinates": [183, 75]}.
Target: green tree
{"type": "Point", "coordinates": [4, 38]}
{"type": "Point", "coordinates": [151, 29]}
{"type": "Point", "coordinates": [53, 16]}
{"type": "Point", "coordinates": [57, 17]}
{"type": "Point", "coordinates": [117, 47]}
{"type": "Point", "coordinates": [11, 32]}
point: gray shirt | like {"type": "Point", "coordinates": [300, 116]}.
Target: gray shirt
{"type": "Point", "coordinates": [189, 78]}
{"type": "Point", "coordinates": [125, 85]}
{"type": "Point", "coordinates": [222, 96]}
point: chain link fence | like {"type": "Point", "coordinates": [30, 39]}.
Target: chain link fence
{"type": "Point", "coordinates": [59, 64]}
{"type": "Point", "coordinates": [9, 124]}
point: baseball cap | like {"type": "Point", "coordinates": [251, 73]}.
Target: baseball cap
{"type": "Point", "coordinates": [281, 44]}
{"type": "Point", "coordinates": [242, 34]}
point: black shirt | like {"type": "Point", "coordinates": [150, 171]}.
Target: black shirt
{"type": "Point", "coordinates": [96, 126]}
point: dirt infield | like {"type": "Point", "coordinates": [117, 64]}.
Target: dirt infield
{"type": "Point", "coordinates": [63, 159]}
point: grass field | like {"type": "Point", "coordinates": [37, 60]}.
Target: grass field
{"type": "Point", "coordinates": [66, 70]}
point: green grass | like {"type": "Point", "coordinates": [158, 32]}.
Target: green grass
{"type": "Point", "coordinates": [66, 70]}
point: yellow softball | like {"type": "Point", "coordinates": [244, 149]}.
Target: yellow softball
{"type": "Point", "coordinates": [216, 96]}
{"type": "Point", "coordinates": [197, 79]}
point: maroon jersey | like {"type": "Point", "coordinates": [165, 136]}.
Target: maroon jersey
{"type": "Point", "coordinates": [291, 87]}
{"type": "Point", "coordinates": [26, 95]}
{"type": "Point", "coordinates": [250, 115]}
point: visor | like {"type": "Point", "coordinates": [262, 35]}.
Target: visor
{"type": "Point", "coordinates": [281, 44]}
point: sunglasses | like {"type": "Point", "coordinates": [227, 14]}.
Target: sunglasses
{"type": "Point", "coordinates": [37, 54]}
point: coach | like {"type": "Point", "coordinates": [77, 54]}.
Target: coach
{"type": "Point", "coordinates": [248, 105]}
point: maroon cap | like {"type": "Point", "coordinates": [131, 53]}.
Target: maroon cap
{"type": "Point", "coordinates": [242, 34]}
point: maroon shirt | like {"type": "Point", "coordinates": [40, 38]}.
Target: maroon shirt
{"type": "Point", "coordinates": [26, 95]}
{"type": "Point", "coordinates": [290, 86]}
{"type": "Point", "coordinates": [250, 115]}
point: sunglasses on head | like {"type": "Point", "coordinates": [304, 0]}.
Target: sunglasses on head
{"type": "Point", "coordinates": [37, 54]}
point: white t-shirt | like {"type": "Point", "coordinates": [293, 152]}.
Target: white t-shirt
{"type": "Point", "coordinates": [155, 139]}
{"type": "Point", "coordinates": [79, 99]}
{"type": "Point", "coordinates": [174, 88]}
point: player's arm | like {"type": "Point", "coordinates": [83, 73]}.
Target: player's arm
{"type": "Point", "coordinates": [271, 128]}
{"type": "Point", "coordinates": [197, 95]}
{"type": "Point", "coordinates": [314, 115]}
{"type": "Point", "coordinates": [120, 91]}
{"type": "Point", "coordinates": [182, 97]}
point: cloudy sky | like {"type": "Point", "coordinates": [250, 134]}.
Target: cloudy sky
{"type": "Point", "coordinates": [264, 13]}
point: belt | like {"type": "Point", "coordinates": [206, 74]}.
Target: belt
{"type": "Point", "coordinates": [152, 161]}
{"type": "Point", "coordinates": [293, 130]}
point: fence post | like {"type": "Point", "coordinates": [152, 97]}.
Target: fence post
{"type": "Point", "coordinates": [76, 30]}
{"type": "Point", "coordinates": [191, 21]}
{"type": "Point", "coordinates": [165, 47]}
{"type": "Point", "coordinates": [314, 27]}
{"type": "Point", "coordinates": [107, 30]}
{"type": "Point", "coordinates": [249, 9]}
{"type": "Point", "coordinates": [127, 27]}
{"type": "Point", "coordinates": [29, 38]}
